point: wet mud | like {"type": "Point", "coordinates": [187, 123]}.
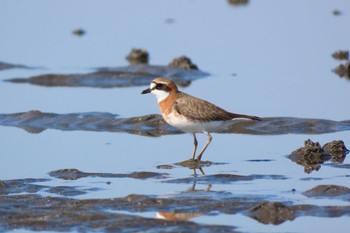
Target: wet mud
{"type": "Point", "coordinates": [312, 155]}
{"type": "Point", "coordinates": [6, 66]}
{"type": "Point", "coordinates": [27, 203]}
{"type": "Point", "coordinates": [238, 2]}
{"type": "Point", "coordinates": [327, 191]}
{"type": "Point", "coordinates": [343, 70]}
{"type": "Point", "coordinates": [75, 174]}
{"type": "Point", "coordinates": [61, 214]}
{"type": "Point", "coordinates": [36, 122]}
{"type": "Point", "coordinates": [154, 124]}
{"type": "Point", "coordinates": [341, 55]}
{"type": "Point", "coordinates": [138, 73]}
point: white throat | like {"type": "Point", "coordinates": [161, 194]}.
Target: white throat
{"type": "Point", "coordinates": [160, 94]}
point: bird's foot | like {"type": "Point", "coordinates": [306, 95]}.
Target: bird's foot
{"type": "Point", "coordinates": [194, 163]}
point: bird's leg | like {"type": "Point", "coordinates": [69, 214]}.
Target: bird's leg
{"type": "Point", "coordinates": [195, 142]}
{"type": "Point", "coordinates": [205, 146]}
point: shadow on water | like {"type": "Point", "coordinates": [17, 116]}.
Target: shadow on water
{"type": "Point", "coordinates": [154, 125]}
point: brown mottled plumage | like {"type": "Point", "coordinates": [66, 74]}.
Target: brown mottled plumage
{"type": "Point", "coordinates": [197, 109]}
{"type": "Point", "coordinates": [190, 114]}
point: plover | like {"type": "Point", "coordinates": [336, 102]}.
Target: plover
{"type": "Point", "coordinates": [190, 114]}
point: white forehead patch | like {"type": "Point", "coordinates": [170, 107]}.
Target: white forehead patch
{"type": "Point", "coordinates": [152, 85]}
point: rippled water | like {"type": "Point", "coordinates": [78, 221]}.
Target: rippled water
{"type": "Point", "coordinates": [266, 58]}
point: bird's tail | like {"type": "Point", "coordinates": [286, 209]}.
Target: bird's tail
{"type": "Point", "coordinates": [255, 118]}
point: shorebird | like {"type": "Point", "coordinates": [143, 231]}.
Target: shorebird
{"type": "Point", "coordinates": [190, 114]}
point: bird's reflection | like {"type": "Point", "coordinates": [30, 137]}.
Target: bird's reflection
{"type": "Point", "coordinates": [197, 170]}
{"type": "Point", "coordinates": [193, 188]}
{"type": "Point", "coordinates": [174, 216]}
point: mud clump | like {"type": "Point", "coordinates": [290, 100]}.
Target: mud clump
{"type": "Point", "coordinates": [238, 2]}
{"type": "Point", "coordinates": [343, 70]}
{"type": "Point", "coordinates": [183, 62]}
{"type": "Point", "coordinates": [194, 164]}
{"type": "Point", "coordinates": [337, 149]}
{"type": "Point", "coordinates": [272, 213]}
{"type": "Point", "coordinates": [328, 191]}
{"type": "Point", "coordinates": [138, 56]}
{"type": "Point", "coordinates": [341, 55]}
{"type": "Point", "coordinates": [336, 12]}
{"type": "Point", "coordinates": [312, 154]}
{"type": "Point", "coordinates": [79, 32]}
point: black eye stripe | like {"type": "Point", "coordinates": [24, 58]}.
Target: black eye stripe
{"type": "Point", "coordinates": [162, 86]}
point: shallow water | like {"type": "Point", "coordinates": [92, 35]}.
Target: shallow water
{"type": "Point", "coordinates": [266, 58]}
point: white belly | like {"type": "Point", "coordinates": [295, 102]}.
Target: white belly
{"type": "Point", "coordinates": [184, 124]}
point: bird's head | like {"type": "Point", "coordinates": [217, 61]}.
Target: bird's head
{"type": "Point", "coordinates": [161, 88]}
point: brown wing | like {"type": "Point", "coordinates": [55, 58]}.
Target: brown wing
{"type": "Point", "coordinates": [201, 110]}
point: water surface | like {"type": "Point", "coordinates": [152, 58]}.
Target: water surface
{"type": "Point", "coordinates": [265, 58]}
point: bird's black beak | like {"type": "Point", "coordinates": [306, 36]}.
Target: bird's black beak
{"type": "Point", "coordinates": [146, 91]}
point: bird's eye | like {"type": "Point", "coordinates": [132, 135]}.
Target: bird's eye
{"type": "Point", "coordinates": [159, 86]}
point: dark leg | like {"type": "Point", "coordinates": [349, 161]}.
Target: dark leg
{"type": "Point", "coordinates": [195, 142]}
{"type": "Point", "coordinates": [199, 157]}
